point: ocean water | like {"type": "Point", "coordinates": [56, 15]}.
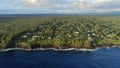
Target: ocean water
{"type": "Point", "coordinates": [102, 58]}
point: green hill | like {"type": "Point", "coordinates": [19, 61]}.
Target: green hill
{"type": "Point", "coordinates": [59, 31]}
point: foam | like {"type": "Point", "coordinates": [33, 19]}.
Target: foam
{"type": "Point", "coordinates": [54, 49]}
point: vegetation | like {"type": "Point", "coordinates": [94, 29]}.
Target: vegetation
{"type": "Point", "coordinates": [59, 31]}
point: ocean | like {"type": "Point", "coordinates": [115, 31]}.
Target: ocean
{"type": "Point", "coordinates": [102, 58]}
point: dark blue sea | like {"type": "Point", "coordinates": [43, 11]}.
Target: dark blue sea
{"type": "Point", "coordinates": [102, 58]}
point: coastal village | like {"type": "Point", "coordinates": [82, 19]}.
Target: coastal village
{"type": "Point", "coordinates": [90, 34]}
{"type": "Point", "coordinates": [61, 32]}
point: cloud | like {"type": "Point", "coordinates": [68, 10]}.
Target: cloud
{"type": "Point", "coordinates": [70, 4]}
{"type": "Point", "coordinates": [50, 4]}
{"type": "Point", "coordinates": [90, 4]}
{"type": "Point", "coordinates": [32, 2]}
{"type": "Point", "coordinates": [95, 5]}
{"type": "Point", "coordinates": [65, 6]}
{"type": "Point", "coordinates": [102, 1]}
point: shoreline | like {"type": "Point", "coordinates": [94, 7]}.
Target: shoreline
{"type": "Point", "coordinates": [55, 49]}
{"type": "Point", "coordinates": [45, 49]}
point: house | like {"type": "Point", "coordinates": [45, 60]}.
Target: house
{"type": "Point", "coordinates": [49, 38]}
{"type": "Point", "coordinates": [108, 35]}
{"type": "Point", "coordinates": [102, 36]}
{"type": "Point", "coordinates": [88, 35]}
{"type": "Point", "coordinates": [76, 32]}
{"type": "Point", "coordinates": [24, 36]}
{"type": "Point", "coordinates": [69, 36]}
{"type": "Point", "coordinates": [93, 34]}
{"type": "Point", "coordinates": [34, 37]}
{"type": "Point", "coordinates": [92, 30]}
{"type": "Point", "coordinates": [90, 39]}
{"type": "Point", "coordinates": [42, 37]}
{"type": "Point", "coordinates": [28, 34]}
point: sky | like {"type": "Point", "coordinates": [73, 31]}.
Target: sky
{"type": "Point", "coordinates": [58, 6]}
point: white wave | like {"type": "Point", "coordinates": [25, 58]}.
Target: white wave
{"type": "Point", "coordinates": [108, 47]}
{"type": "Point", "coordinates": [9, 49]}
{"type": "Point", "coordinates": [43, 49]}
{"type": "Point", "coordinates": [88, 49]}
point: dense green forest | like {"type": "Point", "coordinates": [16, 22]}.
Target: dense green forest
{"type": "Point", "coordinates": [59, 31]}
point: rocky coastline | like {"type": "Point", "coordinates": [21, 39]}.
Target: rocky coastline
{"type": "Point", "coordinates": [60, 49]}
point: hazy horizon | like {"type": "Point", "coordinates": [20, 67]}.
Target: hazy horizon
{"type": "Point", "coordinates": [58, 6]}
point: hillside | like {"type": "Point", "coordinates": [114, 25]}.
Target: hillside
{"type": "Point", "coordinates": [59, 31]}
